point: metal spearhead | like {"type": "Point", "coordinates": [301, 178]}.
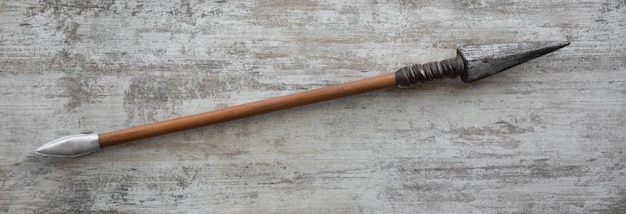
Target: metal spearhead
{"type": "Point", "coordinates": [481, 61]}
{"type": "Point", "coordinates": [475, 62]}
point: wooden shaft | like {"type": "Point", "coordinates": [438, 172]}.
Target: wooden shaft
{"type": "Point", "coordinates": [247, 110]}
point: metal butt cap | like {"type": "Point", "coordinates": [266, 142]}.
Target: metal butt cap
{"type": "Point", "coordinates": [70, 146]}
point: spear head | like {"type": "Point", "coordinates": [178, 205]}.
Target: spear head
{"type": "Point", "coordinates": [475, 62]}
{"type": "Point", "coordinates": [481, 61]}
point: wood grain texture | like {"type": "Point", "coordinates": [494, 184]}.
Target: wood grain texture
{"type": "Point", "coordinates": [545, 137]}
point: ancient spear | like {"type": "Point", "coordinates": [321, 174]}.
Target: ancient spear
{"type": "Point", "coordinates": [473, 62]}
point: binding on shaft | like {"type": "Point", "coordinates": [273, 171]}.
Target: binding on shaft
{"type": "Point", "coordinates": [418, 73]}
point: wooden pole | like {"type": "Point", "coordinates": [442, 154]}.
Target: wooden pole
{"type": "Point", "coordinates": [247, 110]}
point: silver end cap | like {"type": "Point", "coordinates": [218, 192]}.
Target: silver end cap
{"type": "Point", "coordinates": [70, 146]}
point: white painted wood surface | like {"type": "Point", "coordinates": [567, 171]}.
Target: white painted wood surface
{"type": "Point", "coordinates": [545, 137]}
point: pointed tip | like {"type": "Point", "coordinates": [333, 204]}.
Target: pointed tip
{"type": "Point", "coordinates": [70, 146]}
{"type": "Point", "coordinates": [41, 151]}
{"type": "Point", "coordinates": [555, 44]}
{"type": "Point", "coordinates": [565, 44]}
{"type": "Point", "coordinates": [485, 60]}
{"type": "Point", "coordinates": [551, 46]}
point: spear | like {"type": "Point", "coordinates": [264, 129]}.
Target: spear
{"type": "Point", "coordinates": [472, 63]}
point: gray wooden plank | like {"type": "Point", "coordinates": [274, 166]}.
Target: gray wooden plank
{"type": "Point", "coordinates": [544, 137]}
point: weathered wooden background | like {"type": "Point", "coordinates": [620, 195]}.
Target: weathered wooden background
{"type": "Point", "coordinates": [546, 137]}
